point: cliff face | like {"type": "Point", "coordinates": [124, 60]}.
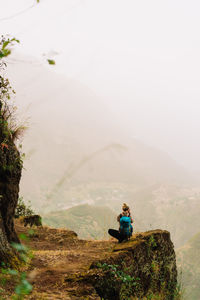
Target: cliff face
{"type": "Point", "coordinates": [10, 174]}
{"type": "Point", "coordinates": [188, 263]}
{"type": "Point", "coordinates": [66, 267]}
{"type": "Point", "coordinates": [141, 268]}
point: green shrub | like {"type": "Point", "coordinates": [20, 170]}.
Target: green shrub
{"type": "Point", "coordinates": [119, 281]}
{"type": "Point", "coordinates": [18, 279]}
{"type": "Point", "coordinates": [23, 209]}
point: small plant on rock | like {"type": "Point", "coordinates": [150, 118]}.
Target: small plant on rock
{"type": "Point", "coordinates": [127, 285]}
{"type": "Point", "coordinates": [16, 278]}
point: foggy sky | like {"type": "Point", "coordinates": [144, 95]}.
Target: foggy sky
{"type": "Point", "coordinates": [141, 57]}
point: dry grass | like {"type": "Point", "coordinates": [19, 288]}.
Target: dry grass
{"type": "Point", "coordinates": [58, 253]}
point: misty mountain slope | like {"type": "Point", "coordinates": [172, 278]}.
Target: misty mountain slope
{"type": "Point", "coordinates": [172, 207]}
{"type": "Point", "coordinates": [188, 262]}
{"type": "Point", "coordinates": [88, 221]}
{"type": "Point", "coordinates": [73, 139]}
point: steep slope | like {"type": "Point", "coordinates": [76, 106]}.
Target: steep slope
{"type": "Point", "coordinates": [167, 206]}
{"type": "Point", "coordinates": [188, 262]}
{"type": "Point", "coordinates": [86, 220]}
{"type": "Point", "coordinates": [65, 267]}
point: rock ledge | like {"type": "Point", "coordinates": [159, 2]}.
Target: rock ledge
{"type": "Point", "coordinates": [142, 267]}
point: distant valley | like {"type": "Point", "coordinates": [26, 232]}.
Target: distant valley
{"type": "Point", "coordinates": [81, 165]}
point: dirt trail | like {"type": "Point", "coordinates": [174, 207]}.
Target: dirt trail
{"type": "Point", "coordinates": [58, 253]}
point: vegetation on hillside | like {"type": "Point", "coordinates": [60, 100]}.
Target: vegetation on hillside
{"type": "Point", "coordinates": [10, 161]}
{"type": "Point", "coordinates": [188, 262]}
{"type": "Point", "coordinates": [65, 267]}
{"type": "Point", "coordinates": [167, 206]}
{"type": "Point", "coordinates": [23, 209]}
{"type": "Point", "coordinates": [88, 221]}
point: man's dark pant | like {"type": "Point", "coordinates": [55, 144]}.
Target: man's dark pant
{"type": "Point", "coordinates": [118, 235]}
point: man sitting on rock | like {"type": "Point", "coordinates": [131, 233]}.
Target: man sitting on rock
{"type": "Point", "coordinates": [125, 230]}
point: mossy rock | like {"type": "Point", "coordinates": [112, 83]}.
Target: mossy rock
{"type": "Point", "coordinates": [145, 265]}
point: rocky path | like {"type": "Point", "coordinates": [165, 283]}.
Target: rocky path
{"type": "Point", "coordinates": [58, 254]}
{"type": "Point", "coordinates": [142, 268]}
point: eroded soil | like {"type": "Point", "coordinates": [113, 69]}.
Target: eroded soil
{"type": "Point", "coordinates": [58, 253]}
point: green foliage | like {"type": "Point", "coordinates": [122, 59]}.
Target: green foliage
{"type": "Point", "coordinates": [5, 90]}
{"type": "Point", "coordinates": [7, 275]}
{"type": "Point", "coordinates": [23, 209]}
{"type": "Point", "coordinates": [23, 288]}
{"type": "Point", "coordinates": [127, 284]}
{"type": "Point", "coordinates": [87, 221]}
{"type": "Point", "coordinates": [119, 274]}
{"type": "Point", "coordinates": [5, 44]}
{"type": "Point", "coordinates": [176, 295]}
{"type": "Point", "coordinates": [51, 61]}
{"type": "Point", "coordinates": [152, 242]}
{"type": "Point", "coordinates": [10, 129]}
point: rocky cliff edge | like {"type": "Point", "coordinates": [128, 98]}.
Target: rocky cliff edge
{"type": "Point", "coordinates": [66, 267]}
